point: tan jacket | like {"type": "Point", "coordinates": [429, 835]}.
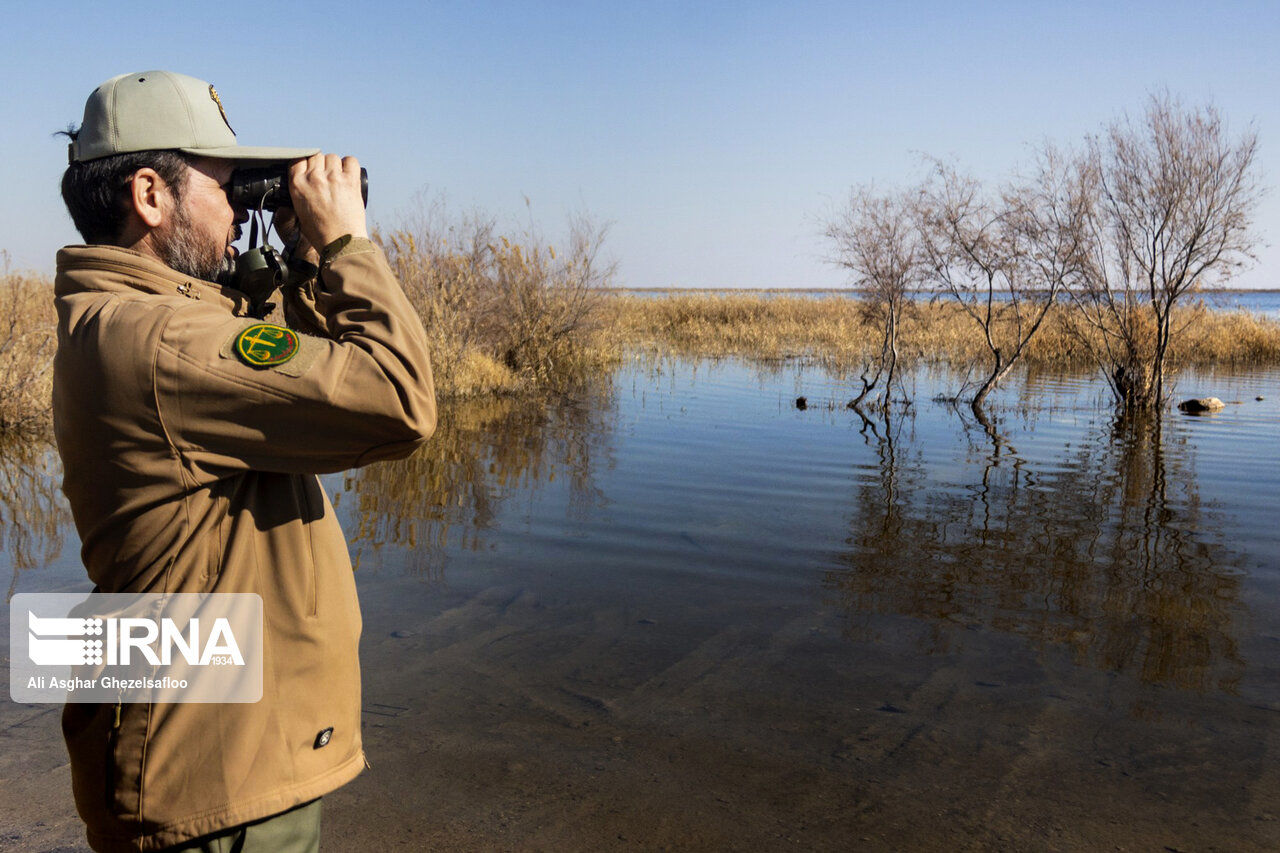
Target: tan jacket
{"type": "Point", "coordinates": [189, 470]}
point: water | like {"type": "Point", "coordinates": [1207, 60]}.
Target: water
{"type": "Point", "coordinates": [676, 611]}
{"type": "Point", "coordinates": [1266, 303]}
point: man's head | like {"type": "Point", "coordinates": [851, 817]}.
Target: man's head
{"type": "Point", "coordinates": [167, 203]}
{"type": "Point", "coordinates": [149, 166]}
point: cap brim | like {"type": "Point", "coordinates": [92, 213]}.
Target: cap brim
{"type": "Point", "coordinates": [249, 152]}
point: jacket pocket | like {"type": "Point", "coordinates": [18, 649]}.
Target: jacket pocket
{"type": "Point", "coordinates": [310, 511]}
{"type": "Point", "coordinates": [215, 541]}
{"type": "Point", "coordinates": [111, 775]}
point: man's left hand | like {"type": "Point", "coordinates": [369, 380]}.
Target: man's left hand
{"type": "Point", "coordinates": [285, 222]}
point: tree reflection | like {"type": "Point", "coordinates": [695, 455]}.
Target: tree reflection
{"type": "Point", "coordinates": [1104, 549]}
{"type": "Point", "coordinates": [483, 452]}
{"type": "Point", "coordinates": [33, 515]}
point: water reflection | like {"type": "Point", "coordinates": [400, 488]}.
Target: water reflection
{"type": "Point", "coordinates": [1090, 538]}
{"type": "Point", "coordinates": [1102, 547]}
{"type": "Point", "coordinates": [484, 453]}
{"type": "Point", "coordinates": [33, 515]}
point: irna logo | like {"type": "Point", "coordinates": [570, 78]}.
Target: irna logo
{"type": "Point", "coordinates": [135, 647]}
{"type": "Point", "coordinates": [68, 641]}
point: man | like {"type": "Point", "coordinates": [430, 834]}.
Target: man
{"type": "Point", "coordinates": [191, 434]}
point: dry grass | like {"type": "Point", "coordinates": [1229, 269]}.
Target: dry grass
{"type": "Point", "coordinates": [836, 332]}
{"type": "Point", "coordinates": [504, 315]}
{"type": "Point", "coordinates": [765, 327]}
{"type": "Point", "coordinates": [27, 321]}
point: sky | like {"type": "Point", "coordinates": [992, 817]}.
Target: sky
{"type": "Point", "coordinates": [715, 139]}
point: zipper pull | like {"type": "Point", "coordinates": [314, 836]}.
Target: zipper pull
{"type": "Point", "coordinates": [188, 291]}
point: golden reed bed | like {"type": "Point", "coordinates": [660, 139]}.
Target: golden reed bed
{"type": "Point", "coordinates": [507, 318]}
{"type": "Point", "coordinates": [837, 330]}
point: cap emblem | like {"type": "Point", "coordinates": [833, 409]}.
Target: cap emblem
{"type": "Point", "coordinates": [213, 93]}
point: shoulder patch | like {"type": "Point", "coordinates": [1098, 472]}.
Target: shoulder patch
{"type": "Point", "coordinates": [264, 345]}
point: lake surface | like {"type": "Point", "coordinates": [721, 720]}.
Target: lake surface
{"type": "Point", "coordinates": [676, 611]}
{"type": "Point", "coordinates": [1266, 303]}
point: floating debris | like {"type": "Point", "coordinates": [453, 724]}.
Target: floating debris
{"type": "Point", "coordinates": [1201, 405]}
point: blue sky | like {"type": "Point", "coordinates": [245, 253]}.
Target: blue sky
{"type": "Point", "coordinates": [715, 137]}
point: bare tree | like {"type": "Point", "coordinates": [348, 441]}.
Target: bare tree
{"type": "Point", "coordinates": [1175, 200]}
{"type": "Point", "coordinates": [1005, 258]}
{"type": "Point", "coordinates": [876, 239]}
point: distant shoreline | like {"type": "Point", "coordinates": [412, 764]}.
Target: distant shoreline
{"type": "Point", "coordinates": [853, 291]}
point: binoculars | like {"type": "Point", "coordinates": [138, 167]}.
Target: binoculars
{"type": "Point", "coordinates": [267, 188]}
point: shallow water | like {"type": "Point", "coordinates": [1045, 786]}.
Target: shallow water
{"type": "Point", "coordinates": [676, 611]}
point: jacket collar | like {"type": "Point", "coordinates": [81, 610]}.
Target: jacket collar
{"type": "Point", "coordinates": [114, 269]}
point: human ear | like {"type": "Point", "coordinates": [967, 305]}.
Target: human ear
{"type": "Point", "coordinates": [148, 192]}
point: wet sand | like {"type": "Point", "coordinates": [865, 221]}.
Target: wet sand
{"type": "Point", "coordinates": [549, 726]}
{"type": "Point", "coordinates": [505, 720]}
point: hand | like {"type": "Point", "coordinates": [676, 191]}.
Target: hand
{"type": "Point", "coordinates": [285, 222]}
{"type": "Point", "coordinates": [326, 198]}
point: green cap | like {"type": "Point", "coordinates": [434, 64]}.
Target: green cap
{"type": "Point", "coordinates": [154, 110]}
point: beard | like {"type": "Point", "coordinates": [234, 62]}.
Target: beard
{"type": "Point", "coordinates": [183, 249]}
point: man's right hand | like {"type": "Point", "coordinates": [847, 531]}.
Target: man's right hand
{"type": "Point", "coordinates": [326, 196]}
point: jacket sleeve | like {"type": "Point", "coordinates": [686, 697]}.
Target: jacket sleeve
{"type": "Point", "coordinates": [299, 301]}
{"type": "Point", "coordinates": [312, 404]}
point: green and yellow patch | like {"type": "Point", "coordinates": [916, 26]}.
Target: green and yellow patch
{"type": "Point", "coordinates": [265, 345]}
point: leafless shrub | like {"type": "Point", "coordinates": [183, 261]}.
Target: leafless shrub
{"type": "Point", "coordinates": [876, 239]}
{"type": "Point", "coordinates": [502, 313]}
{"type": "Point", "coordinates": [1004, 257]}
{"type": "Point", "coordinates": [1174, 200]}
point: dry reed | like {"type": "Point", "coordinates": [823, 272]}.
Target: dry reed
{"type": "Point", "coordinates": [26, 349]}
{"type": "Point", "coordinates": [835, 331]}
{"type": "Point", "coordinates": [504, 315]}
